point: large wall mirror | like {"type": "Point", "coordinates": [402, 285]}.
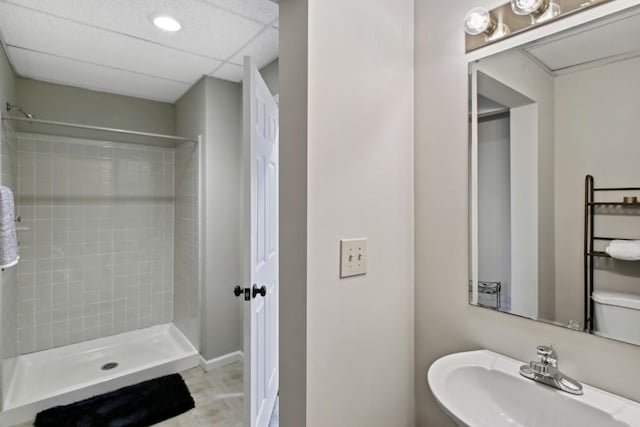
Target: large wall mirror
{"type": "Point", "coordinates": [555, 179]}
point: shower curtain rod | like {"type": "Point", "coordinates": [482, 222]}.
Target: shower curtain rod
{"type": "Point", "coordinates": [98, 128]}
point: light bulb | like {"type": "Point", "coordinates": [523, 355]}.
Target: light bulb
{"type": "Point", "coordinates": [528, 7]}
{"type": "Point", "coordinates": [478, 21]}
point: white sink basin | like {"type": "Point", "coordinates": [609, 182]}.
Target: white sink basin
{"type": "Point", "coordinates": [482, 388]}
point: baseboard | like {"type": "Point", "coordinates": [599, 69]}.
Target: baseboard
{"type": "Point", "coordinates": [221, 361]}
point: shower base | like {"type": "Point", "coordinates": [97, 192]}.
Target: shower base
{"type": "Point", "coordinates": [74, 372]}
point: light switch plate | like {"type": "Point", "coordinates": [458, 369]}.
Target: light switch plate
{"type": "Point", "coordinates": [353, 257]}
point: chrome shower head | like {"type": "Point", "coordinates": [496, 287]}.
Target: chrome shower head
{"type": "Point", "coordinates": [16, 107]}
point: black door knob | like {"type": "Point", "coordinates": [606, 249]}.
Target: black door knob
{"type": "Point", "coordinates": [262, 290]}
{"type": "Point", "coordinates": [237, 291]}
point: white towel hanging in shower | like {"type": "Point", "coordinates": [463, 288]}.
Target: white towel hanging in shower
{"type": "Point", "coordinates": [8, 240]}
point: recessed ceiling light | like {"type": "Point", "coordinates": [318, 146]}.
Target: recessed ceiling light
{"type": "Point", "coordinates": [167, 23]}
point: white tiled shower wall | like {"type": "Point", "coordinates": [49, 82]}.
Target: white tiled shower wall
{"type": "Point", "coordinates": [186, 231]}
{"type": "Point", "coordinates": [97, 258]}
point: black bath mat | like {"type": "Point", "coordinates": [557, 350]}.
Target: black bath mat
{"type": "Point", "coordinates": [139, 405]}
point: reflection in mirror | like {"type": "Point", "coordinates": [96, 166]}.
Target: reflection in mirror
{"type": "Point", "coordinates": [555, 182]}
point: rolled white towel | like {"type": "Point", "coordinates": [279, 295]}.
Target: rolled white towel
{"type": "Point", "coordinates": [9, 255]}
{"type": "Point", "coordinates": [626, 250]}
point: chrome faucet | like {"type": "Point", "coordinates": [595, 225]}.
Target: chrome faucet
{"type": "Point", "coordinates": [545, 370]}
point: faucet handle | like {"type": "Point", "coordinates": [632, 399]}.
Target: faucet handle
{"type": "Point", "coordinates": [540, 368]}
{"type": "Point", "coordinates": [547, 355]}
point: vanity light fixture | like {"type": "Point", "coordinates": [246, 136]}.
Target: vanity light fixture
{"type": "Point", "coordinates": [483, 27]}
{"type": "Point", "coordinates": [479, 21]}
{"type": "Point", "coordinates": [167, 23]}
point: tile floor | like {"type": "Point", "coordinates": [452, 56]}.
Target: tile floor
{"type": "Point", "coordinates": [218, 397]}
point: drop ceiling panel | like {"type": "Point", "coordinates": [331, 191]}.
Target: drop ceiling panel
{"type": "Point", "coordinates": [608, 40]}
{"type": "Point", "coordinates": [260, 10]}
{"type": "Point", "coordinates": [68, 72]}
{"type": "Point", "coordinates": [228, 71]}
{"type": "Point", "coordinates": [207, 30]}
{"type": "Point", "coordinates": [112, 45]}
{"type": "Point", "coordinates": [263, 49]}
{"type": "Point", "coordinates": [90, 44]}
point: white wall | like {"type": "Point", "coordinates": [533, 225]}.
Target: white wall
{"type": "Point", "coordinates": [190, 120]}
{"type": "Point", "coordinates": [213, 107]}
{"type": "Point", "coordinates": [294, 36]}
{"type": "Point", "coordinates": [7, 80]}
{"type": "Point", "coordinates": [223, 147]}
{"type": "Point", "coordinates": [494, 207]}
{"type": "Point", "coordinates": [447, 323]}
{"type": "Point", "coordinates": [51, 101]}
{"type": "Point", "coordinates": [357, 347]}
{"type": "Point", "coordinates": [271, 76]}
{"type": "Point", "coordinates": [597, 131]}
{"type": "Point", "coordinates": [526, 278]}
{"type": "Point", "coordinates": [360, 184]}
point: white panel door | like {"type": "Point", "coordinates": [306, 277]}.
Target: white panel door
{"type": "Point", "coordinates": [260, 153]}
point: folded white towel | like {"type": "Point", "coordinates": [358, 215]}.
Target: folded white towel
{"type": "Point", "coordinates": [626, 250]}
{"type": "Point", "coordinates": [8, 241]}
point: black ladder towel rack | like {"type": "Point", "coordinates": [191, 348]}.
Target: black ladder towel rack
{"type": "Point", "coordinates": [590, 206]}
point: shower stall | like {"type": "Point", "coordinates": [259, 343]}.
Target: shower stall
{"type": "Point", "coordinates": [107, 289]}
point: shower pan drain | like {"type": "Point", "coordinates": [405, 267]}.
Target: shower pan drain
{"type": "Point", "coordinates": [109, 365]}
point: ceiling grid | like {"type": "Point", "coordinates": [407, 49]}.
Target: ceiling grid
{"type": "Point", "coordinates": [114, 47]}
